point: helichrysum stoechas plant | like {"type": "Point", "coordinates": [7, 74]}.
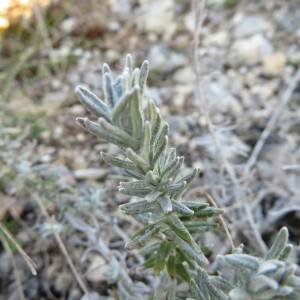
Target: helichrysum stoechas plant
{"type": "Point", "coordinates": [168, 221]}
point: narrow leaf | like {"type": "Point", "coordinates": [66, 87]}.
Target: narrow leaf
{"type": "Point", "coordinates": [138, 160]}
{"type": "Point", "coordinates": [122, 135]}
{"type": "Point", "coordinates": [278, 245]}
{"type": "Point", "coordinates": [143, 75]}
{"type": "Point", "coordinates": [161, 256]}
{"type": "Point", "coordinates": [139, 207]}
{"type": "Point", "coordinates": [181, 209]}
{"type": "Point", "coordinates": [179, 229]}
{"type": "Point", "coordinates": [165, 204]}
{"type": "Point", "coordinates": [93, 103]}
{"type": "Point", "coordinates": [120, 163]}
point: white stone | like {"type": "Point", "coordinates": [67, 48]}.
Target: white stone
{"type": "Point", "coordinates": [249, 51]}
{"type": "Point", "coordinates": [163, 59]}
{"type": "Point", "coordinates": [273, 64]}
{"type": "Point", "coordinates": [157, 17]}
{"type": "Point", "coordinates": [248, 26]}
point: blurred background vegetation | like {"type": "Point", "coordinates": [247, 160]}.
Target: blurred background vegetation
{"type": "Point", "coordinates": [249, 52]}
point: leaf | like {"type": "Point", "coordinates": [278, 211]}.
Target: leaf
{"type": "Point", "coordinates": [139, 207]}
{"type": "Point", "coordinates": [152, 178]}
{"type": "Point", "coordinates": [109, 92]}
{"type": "Point", "coordinates": [286, 252]}
{"type": "Point", "coordinates": [192, 250]}
{"type": "Point", "coordinates": [181, 209]}
{"type": "Point", "coordinates": [139, 188]}
{"type": "Point", "coordinates": [119, 133]}
{"type": "Point", "coordinates": [118, 86]}
{"type": "Point", "coordinates": [120, 163]}
{"type": "Point", "coordinates": [278, 245]}
{"type": "Point", "coordinates": [182, 271]}
{"type": "Point", "coordinates": [171, 156]}
{"type": "Point", "coordinates": [146, 141]}
{"type": "Point", "coordinates": [149, 249]}
{"type": "Point", "coordinates": [213, 292]}
{"type": "Point", "coordinates": [241, 262]}
{"type": "Point", "coordinates": [195, 205]}
{"type": "Point", "coordinates": [101, 132]}
{"type": "Point", "coordinates": [157, 216]}
{"type": "Point", "coordinates": [140, 240]}
{"type": "Point", "coordinates": [138, 160]}
{"type": "Point", "coordinates": [137, 118]}
{"type": "Point", "coordinates": [165, 204]}
{"type": "Point", "coordinates": [199, 227]}
{"type": "Point", "coordinates": [148, 263]}
{"type": "Point", "coordinates": [161, 256]}
{"type": "Point", "coordinates": [171, 266]}
{"type": "Point", "coordinates": [169, 167]}
{"type": "Point", "coordinates": [159, 151]}
{"type": "Point", "coordinates": [172, 171]}
{"type": "Point", "coordinates": [143, 75]}
{"type": "Point", "coordinates": [153, 196]}
{"type": "Point", "coordinates": [208, 212]}
{"type": "Point", "coordinates": [178, 228]}
{"type": "Point", "coordinates": [175, 187]}
{"type": "Point", "coordinates": [129, 63]}
{"type": "Point", "coordinates": [188, 177]}
{"type": "Point", "coordinates": [155, 127]}
{"type": "Point", "coordinates": [93, 103]}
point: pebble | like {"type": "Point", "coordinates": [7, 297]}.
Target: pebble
{"type": "Point", "coordinates": [185, 75]}
{"type": "Point", "coordinates": [273, 64]}
{"type": "Point", "coordinates": [164, 59]}
{"type": "Point", "coordinates": [221, 100]}
{"type": "Point", "coordinates": [90, 173]}
{"type": "Point", "coordinates": [249, 51]}
{"type": "Point", "coordinates": [249, 25]}
{"type": "Point", "coordinates": [63, 282]}
{"type": "Point", "coordinates": [157, 17]}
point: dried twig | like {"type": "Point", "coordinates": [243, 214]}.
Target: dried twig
{"type": "Point", "coordinates": [28, 260]}
{"type": "Point", "coordinates": [62, 248]}
{"type": "Point", "coordinates": [291, 167]}
{"type": "Point", "coordinates": [18, 279]}
{"type": "Point", "coordinates": [223, 222]}
{"type": "Point", "coordinates": [199, 9]}
{"type": "Point", "coordinates": [272, 122]}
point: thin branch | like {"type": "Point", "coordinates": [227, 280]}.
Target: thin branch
{"type": "Point", "coordinates": [272, 121]}
{"type": "Point", "coordinates": [62, 247]}
{"type": "Point", "coordinates": [31, 264]}
{"type": "Point", "coordinates": [223, 222]}
{"type": "Point", "coordinates": [18, 279]}
{"type": "Point", "coordinates": [291, 167]}
{"type": "Point", "coordinates": [199, 9]}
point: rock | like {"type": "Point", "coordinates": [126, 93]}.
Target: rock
{"type": "Point", "coordinates": [220, 39]}
{"type": "Point", "coordinates": [92, 79]}
{"type": "Point", "coordinates": [157, 17]}
{"type": "Point", "coordinates": [249, 51]}
{"type": "Point", "coordinates": [56, 99]}
{"type": "Point", "coordinates": [220, 100]}
{"type": "Point", "coordinates": [190, 22]}
{"type": "Point", "coordinates": [90, 173]}
{"type": "Point", "coordinates": [181, 124]}
{"type": "Point", "coordinates": [63, 282]}
{"type": "Point", "coordinates": [273, 64]}
{"type": "Point", "coordinates": [185, 75]}
{"type": "Point", "coordinates": [248, 26]}
{"type": "Point", "coordinates": [164, 59]}
{"type": "Point", "coordinates": [231, 145]}
{"type": "Point", "coordinates": [68, 25]}
{"type": "Point", "coordinates": [97, 269]}
{"type": "Point", "coordinates": [182, 93]}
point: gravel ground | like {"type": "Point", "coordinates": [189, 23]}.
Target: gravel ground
{"type": "Point", "coordinates": [247, 144]}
